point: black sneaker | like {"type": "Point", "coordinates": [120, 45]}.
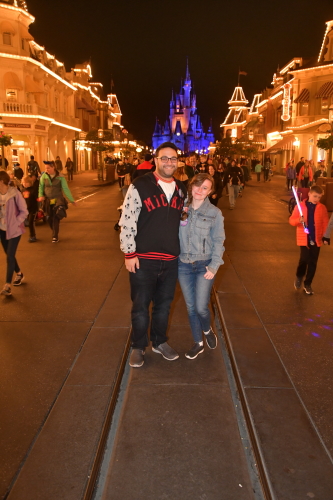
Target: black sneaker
{"type": "Point", "coordinates": [137, 358]}
{"type": "Point", "coordinates": [298, 283]}
{"type": "Point", "coordinates": [55, 240]}
{"type": "Point", "coordinates": [308, 290]}
{"type": "Point", "coordinates": [167, 351]}
{"type": "Point", "coordinates": [6, 291]}
{"type": "Point", "coordinates": [195, 350]}
{"type": "Point", "coordinates": [211, 339]}
{"type": "Point", "coordinates": [32, 239]}
{"type": "Point", "coordinates": [18, 280]}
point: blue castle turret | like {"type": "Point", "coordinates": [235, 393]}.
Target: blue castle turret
{"type": "Point", "coordinates": [184, 126]}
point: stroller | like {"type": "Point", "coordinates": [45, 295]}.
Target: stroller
{"type": "Point", "coordinates": [302, 194]}
{"type": "Point", "coordinates": [39, 217]}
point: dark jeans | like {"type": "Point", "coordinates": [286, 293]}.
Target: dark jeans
{"type": "Point", "coordinates": [266, 174]}
{"type": "Point", "coordinates": [308, 263]}
{"type": "Point", "coordinates": [31, 220]}
{"type": "Point", "coordinates": [290, 183]}
{"type": "Point", "coordinates": [54, 222]}
{"type": "Point", "coordinates": [70, 175]}
{"type": "Point", "coordinates": [305, 182]}
{"type": "Point", "coordinates": [121, 181]}
{"type": "Point", "coordinates": [10, 247]}
{"type": "Point", "coordinates": [258, 176]}
{"type": "Point", "coordinates": [154, 282]}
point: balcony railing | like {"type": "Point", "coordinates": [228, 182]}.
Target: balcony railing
{"type": "Point", "coordinates": [15, 107]}
{"type": "Point", "coordinates": [34, 109]}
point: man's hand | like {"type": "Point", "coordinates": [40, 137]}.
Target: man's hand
{"type": "Point", "coordinates": [132, 264]}
{"type": "Point", "coordinates": [301, 219]}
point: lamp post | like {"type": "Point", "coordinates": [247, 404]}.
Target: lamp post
{"type": "Point", "coordinates": [100, 160]}
{"type": "Point", "coordinates": [330, 120]}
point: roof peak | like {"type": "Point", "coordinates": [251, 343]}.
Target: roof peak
{"type": "Point", "coordinates": [21, 4]}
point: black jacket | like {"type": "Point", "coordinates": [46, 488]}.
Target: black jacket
{"type": "Point", "coordinates": [233, 174]}
{"type": "Point", "coordinates": [158, 222]}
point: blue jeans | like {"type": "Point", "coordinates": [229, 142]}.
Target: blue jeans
{"type": "Point", "coordinates": [154, 282]}
{"type": "Point", "coordinates": [196, 290]}
{"type": "Point", "coordinates": [233, 194]}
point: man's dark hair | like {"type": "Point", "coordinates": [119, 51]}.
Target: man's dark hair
{"type": "Point", "coordinates": [316, 189]}
{"type": "Point", "coordinates": [302, 158]}
{"type": "Point", "coordinates": [32, 157]}
{"type": "Point", "coordinates": [166, 145]}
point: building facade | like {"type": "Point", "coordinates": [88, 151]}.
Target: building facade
{"type": "Point", "coordinates": [183, 127]}
{"type": "Point", "coordinates": [45, 109]}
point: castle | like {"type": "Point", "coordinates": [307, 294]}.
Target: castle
{"type": "Point", "coordinates": [184, 127]}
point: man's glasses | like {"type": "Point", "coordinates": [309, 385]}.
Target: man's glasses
{"type": "Point", "coordinates": [166, 159]}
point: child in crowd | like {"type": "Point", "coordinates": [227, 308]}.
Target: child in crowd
{"type": "Point", "coordinates": [258, 168]}
{"type": "Point", "coordinates": [315, 217]}
{"type": "Point", "coordinates": [30, 194]}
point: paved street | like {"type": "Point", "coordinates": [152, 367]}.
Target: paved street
{"type": "Point", "coordinates": [63, 334]}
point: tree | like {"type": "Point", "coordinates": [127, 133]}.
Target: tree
{"type": "Point", "coordinates": [98, 144]}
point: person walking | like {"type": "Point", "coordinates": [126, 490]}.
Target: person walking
{"type": "Point", "coordinates": [305, 175]}
{"type": "Point", "coordinates": [290, 175]}
{"type": "Point", "coordinates": [234, 178]}
{"type": "Point", "coordinates": [17, 171]}
{"type": "Point", "coordinates": [215, 193]}
{"type": "Point", "coordinates": [145, 167]}
{"type": "Point", "coordinates": [58, 164]}
{"type": "Point", "coordinates": [33, 167]}
{"type": "Point", "coordinates": [202, 236]}
{"type": "Point", "coordinates": [258, 168]}
{"type": "Point", "coordinates": [30, 194]}
{"type": "Point", "coordinates": [122, 170]}
{"type": "Point", "coordinates": [13, 212]}
{"type": "Point", "coordinates": [149, 239]}
{"type": "Point", "coordinates": [70, 169]}
{"type": "Point", "coordinates": [180, 173]}
{"type": "Point", "coordinates": [190, 166]}
{"type": "Point", "coordinates": [266, 168]}
{"type": "Point", "coordinates": [53, 188]}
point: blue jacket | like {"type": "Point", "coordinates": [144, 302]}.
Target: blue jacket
{"type": "Point", "coordinates": [203, 236]}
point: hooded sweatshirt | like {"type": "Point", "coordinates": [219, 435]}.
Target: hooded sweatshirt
{"type": "Point", "coordinates": [13, 211]}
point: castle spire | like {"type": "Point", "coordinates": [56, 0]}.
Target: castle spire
{"type": "Point", "coordinates": [188, 76]}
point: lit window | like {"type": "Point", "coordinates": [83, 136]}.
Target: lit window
{"type": "Point", "coordinates": [304, 108]}
{"type": "Point", "coordinates": [11, 94]}
{"type": "Point", "coordinates": [7, 38]}
{"type": "Point", "coordinates": [324, 104]}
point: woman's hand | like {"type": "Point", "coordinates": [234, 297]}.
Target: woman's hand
{"type": "Point", "coordinates": [209, 275]}
{"type": "Point", "coordinates": [214, 196]}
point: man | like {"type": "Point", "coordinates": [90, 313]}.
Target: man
{"type": "Point", "coordinates": [145, 167]}
{"type": "Point", "coordinates": [190, 166]}
{"type": "Point", "coordinates": [234, 178]}
{"type": "Point", "coordinates": [202, 167]}
{"type": "Point", "coordinates": [149, 238]}
{"type": "Point", "coordinates": [299, 165]}
{"type": "Point", "coordinates": [321, 172]}
{"type": "Point", "coordinates": [58, 164]}
{"type": "Point", "coordinates": [17, 171]}
{"type": "Point", "coordinates": [33, 167]}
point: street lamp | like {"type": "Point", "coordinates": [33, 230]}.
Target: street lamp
{"type": "Point", "coordinates": [100, 134]}
{"type": "Point", "coordinates": [330, 120]}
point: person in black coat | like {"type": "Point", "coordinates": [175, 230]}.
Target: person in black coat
{"type": "Point", "coordinates": [30, 194]}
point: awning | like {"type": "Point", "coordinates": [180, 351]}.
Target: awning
{"type": "Point", "coordinates": [89, 108]}
{"type": "Point", "coordinates": [79, 104]}
{"type": "Point", "coordinates": [12, 81]}
{"type": "Point", "coordinates": [7, 27]}
{"type": "Point", "coordinates": [32, 86]}
{"type": "Point", "coordinates": [279, 144]}
{"type": "Point", "coordinates": [25, 33]}
{"type": "Point", "coordinates": [325, 90]}
{"type": "Point", "coordinates": [303, 97]}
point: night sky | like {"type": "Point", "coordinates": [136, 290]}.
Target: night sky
{"type": "Point", "coordinates": [144, 46]}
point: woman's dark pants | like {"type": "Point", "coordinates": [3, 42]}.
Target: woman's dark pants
{"type": "Point", "coordinates": [10, 247]}
{"type": "Point", "coordinates": [31, 220]}
{"type": "Point", "coordinates": [54, 221]}
{"type": "Point", "coordinates": [154, 282]}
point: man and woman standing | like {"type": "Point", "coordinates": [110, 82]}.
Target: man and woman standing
{"type": "Point", "coordinates": [233, 177]}
{"type": "Point", "coordinates": [149, 238]}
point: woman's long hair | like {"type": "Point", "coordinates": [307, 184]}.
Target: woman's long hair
{"type": "Point", "coordinates": [198, 180]}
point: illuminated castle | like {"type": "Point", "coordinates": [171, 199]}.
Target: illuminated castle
{"type": "Point", "coordinates": [183, 127]}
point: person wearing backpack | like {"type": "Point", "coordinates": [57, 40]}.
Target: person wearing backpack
{"type": "Point", "coordinates": [233, 177]}
{"type": "Point", "coordinates": [13, 211]}
{"type": "Point", "coordinates": [33, 167]}
{"type": "Point", "coordinates": [53, 188]}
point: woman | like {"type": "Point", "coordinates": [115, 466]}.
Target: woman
{"type": "Point", "coordinates": [201, 235]}
{"type": "Point", "coordinates": [180, 173]}
{"type": "Point", "coordinates": [52, 188]}
{"type": "Point", "coordinates": [13, 211]}
{"type": "Point", "coordinates": [70, 169]}
{"type": "Point", "coordinates": [122, 170]}
{"type": "Point", "coordinates": [305, 175]}
{"type": "Point", "coordinates": [217, 193]}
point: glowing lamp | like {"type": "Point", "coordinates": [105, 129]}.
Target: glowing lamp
{"type": "Point", "coordinates": [138, 150]}
{"type": "Point", "coordinates": [100, 133]}
{"type": "Point", "coordinates": [296, 142]}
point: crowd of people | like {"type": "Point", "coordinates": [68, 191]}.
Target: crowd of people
{"type": "Point", "coordinates": [304, 173]}
{"type": "Point", "coordinates": [22, 198]}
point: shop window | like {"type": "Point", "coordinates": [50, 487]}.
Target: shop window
{"type": "Point", "coordinates": [11, 95]}
{"type": "Point", "coordinates": [324, 105]}
{"type": "Point", "coordinates": [304, 108]}
{"type": "Point", "coordinates": [7, 38]}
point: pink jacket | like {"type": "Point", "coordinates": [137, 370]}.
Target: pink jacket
{"type": "Point", "coordinates": [16, 212]}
